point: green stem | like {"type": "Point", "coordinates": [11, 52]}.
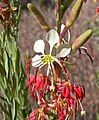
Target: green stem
{"type": "Point", "coordinates": [58, 15]}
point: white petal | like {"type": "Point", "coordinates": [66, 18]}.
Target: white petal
{"type": "Point", "coordinates": [37, 61]}
{"type": "Point", "coordinates": [62, 27]}
{"type": "Point", "coordinates": [53, 38]}
{"type": "Point", "coordinates": [69, 36]}
{"type": "Point", "coordinates": [64, 52]}
{"type": "Point", "coordinates": [39, 46]}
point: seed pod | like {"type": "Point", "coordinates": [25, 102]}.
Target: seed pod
{"type": "Point", "coordinates": [81, 40]}
{"type": "Point", "coordinates": [74, 13]}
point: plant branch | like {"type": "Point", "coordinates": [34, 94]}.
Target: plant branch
{"type": "Point", "coordinates": [58, 15]}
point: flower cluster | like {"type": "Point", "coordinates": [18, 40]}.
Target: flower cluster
{"type": "Point", "coordinates": [56, 96]}
{"type": "Point", "coordinates": [62, 99]}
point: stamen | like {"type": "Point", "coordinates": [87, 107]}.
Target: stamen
{"type": "Point", "coordinates": [47, 59]}
{"type": "Point", "coordinates": [83, 112]}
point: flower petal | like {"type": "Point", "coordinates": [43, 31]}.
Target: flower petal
{"type": "Point", "coordinates": [39, 46]}
{"type": "Point", "coordinates": [62, 27]}
{"type": "Point", "coordinates": [64, 52]}
{"type": "Point", "coordinates": [36, 61]}
{"type": "Point", "coordinates": [53, 38]}
{"type": "Point", "coordinates": [69, 36]}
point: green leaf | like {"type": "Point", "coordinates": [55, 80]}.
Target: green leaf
{"type": "Point", "coordinates": [4, 109]}
{"type": "Point", "coordinates": [2, 83]}
{"type": "Point", "coordinates": [3, 99]}
{"type": "Point", "coordinates": [11, 49]}
{"type": "Point", "coordinates": [14, 110]}
{"type": "Point", "coordinates": [2, 70]}
{"type": "Point", "coordinates": [40, 18]}
{"type": "Point", "coordinates": [14, 86]}
{"type": "Point", "coordinates": [6, 62]}
{"type": "Point", "coordinates": [17, 61]}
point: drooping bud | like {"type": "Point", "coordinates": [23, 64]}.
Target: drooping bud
{"type": "Point", "coordinates": [74, 13]}
{"type": "Point", "coordinates": [81, 40]}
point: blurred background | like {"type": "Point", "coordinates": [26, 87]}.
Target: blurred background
{"type": "Point", "coordinates": [85, 72]}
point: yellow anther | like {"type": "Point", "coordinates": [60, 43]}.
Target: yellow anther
{"type": "Point", "coordinates": [47, 59]}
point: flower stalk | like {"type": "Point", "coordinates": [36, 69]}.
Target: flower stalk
{"type": "Point", "coordinates": [58, 15]}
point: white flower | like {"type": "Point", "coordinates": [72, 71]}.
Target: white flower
{"type": "Point", "coordinates": [41, 59]}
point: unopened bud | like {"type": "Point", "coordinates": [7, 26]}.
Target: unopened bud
{"type": "Point", "coordinates": [81, 40]}
{"type": "Point", "coordinates": [74, 13]}
{"type": "Point", "coordinates": [40, 18]}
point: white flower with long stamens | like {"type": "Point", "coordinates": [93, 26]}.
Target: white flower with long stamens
{"type": "Point", "coordinates": [41, 59]}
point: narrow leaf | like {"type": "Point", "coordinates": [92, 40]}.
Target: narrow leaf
{"type": "Point", "coordinates": [2, 70]}
{"type": "Point", "coordinates": [17, 61]}
{"type": "Point", "coordinates": [14, 110]}
{"type": "Point", "coordinates": [14, 86]}
{"type": "Point", "coordinates": [4, 109]}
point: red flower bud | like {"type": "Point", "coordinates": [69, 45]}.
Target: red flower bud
{"type": "Point", "coordinates": [97, 10]}
{"type": "Point", "coordinates": [79, 91]}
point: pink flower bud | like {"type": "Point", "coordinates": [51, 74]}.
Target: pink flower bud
{"type": "Point", "coordinates": [97, 10]}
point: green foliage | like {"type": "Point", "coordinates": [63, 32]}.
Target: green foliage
{"type": "Point", "coordinates": [14, 103]}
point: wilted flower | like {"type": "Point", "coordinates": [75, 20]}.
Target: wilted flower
{"type": "Point", "coordinates": [5, 12]}
{"type": "Point", "coordinates": [39, 114]}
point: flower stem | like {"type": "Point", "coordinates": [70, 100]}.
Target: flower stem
{"type": "Point", "coordinates": [58, 15]}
